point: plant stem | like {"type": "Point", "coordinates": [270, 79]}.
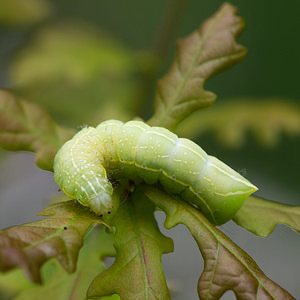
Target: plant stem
{"type": "Point", "coordinates": [170, 24]}
{"type": "Point", "coordinates": [163, 41]}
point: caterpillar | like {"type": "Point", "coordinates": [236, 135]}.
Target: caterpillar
{"type": "Point", "coordinates": [154, 155]}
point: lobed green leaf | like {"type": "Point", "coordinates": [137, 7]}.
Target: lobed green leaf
{"type": "Point", "coordinates": [136, 272]}
{"type": "Point", "coordinates": [30, 245]}
{"type": "Point", "coordinates": [27, 126]}
{"type": "Point", "coordinates": [226, 266]}
{"type": "Point", "coordinates": [261, 216]}
{"type": "Point", "coordinates": [265, 119]}
{"type": "Point", "coordinates": [207, 51]}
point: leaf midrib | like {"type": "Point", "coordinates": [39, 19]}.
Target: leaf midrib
{"type": "Point", "coordinates": [182, 83]}
{"type": "Point", "coordinates": [57, 233]}
{"type": "Point", "coordinates": [241, 261]}
{"type": "Point", "coordinates": [141, 250]}
{"type": "Point", "coordinates": [190, 69]}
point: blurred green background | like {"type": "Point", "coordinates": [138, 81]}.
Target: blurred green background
{"type": "Point", "coordinates": [136, 40]}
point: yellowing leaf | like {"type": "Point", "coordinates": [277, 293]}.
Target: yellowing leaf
{"type": "Point", "coordinates": [207, 51]}
{"type": "Point", "coordinates": [26, 126]}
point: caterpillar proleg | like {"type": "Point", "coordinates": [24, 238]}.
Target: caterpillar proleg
{"type": "Point", "coordinates": [154, 155]}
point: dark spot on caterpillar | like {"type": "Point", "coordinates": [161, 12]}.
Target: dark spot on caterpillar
{"type": "Point", "coordinates": [199, 194]}
{"type": "Point", "coordinates": [122, 159]}
{"type": "Point", "coordinates": [65, 228]}
{"type": "Point", "coordinates": [101, 216]}
{"type": "Point", "coordinates": [144, 167]}
{"type": "Point", "coordinates": [59, 190]}
{"type": "Point", "coordinates": [173, 177]}
{"type": "Point", "coordinates": [109, 212]}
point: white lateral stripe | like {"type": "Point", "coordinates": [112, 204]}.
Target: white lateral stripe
{"type": "Point", "coordinates": [231, 176]}
{"type": "Point", "coordinates": [83, 189]}
{"type": "Point", "coordinates": [113, 123]}
{"type": "Point", "coordinates": [161, 134]}
{"type": "Point", "coordinates": [134, 125]}
{"type": "Point", "coordinates": [96, 178]}
{"type": "Point", "coordinates": [91, 186]}
{"type": "Point", "coordinates": [72, 156]}
{"type": "Point", "coordinates": [192, 150]}
{"type": "Point", "coordinates": [231, 193]}
{"type": "Point", "coordinates": [89, 183]}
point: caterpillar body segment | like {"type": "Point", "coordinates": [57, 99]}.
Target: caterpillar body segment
{"type": "Point", "coordinates": [152, 154]}
{"type": "Point", "coordinates": [79, 172]}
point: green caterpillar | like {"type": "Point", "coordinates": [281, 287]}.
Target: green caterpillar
{"type": "Point", "coordinates": [154, 155]}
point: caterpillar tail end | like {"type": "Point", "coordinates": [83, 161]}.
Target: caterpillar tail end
{"type": "Point", "coordinates": [231, 202]}
{"type": "Point", "coordinates": [251, 189]}
{"type": "Point", "coordinates": [101, 204]}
